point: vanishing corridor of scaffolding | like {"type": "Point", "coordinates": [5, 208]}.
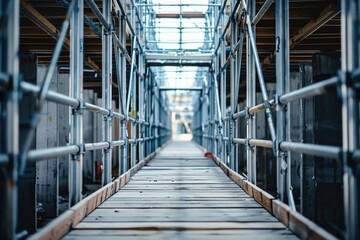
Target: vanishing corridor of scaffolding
{"type": "Point", "coordinates": [169, 68]}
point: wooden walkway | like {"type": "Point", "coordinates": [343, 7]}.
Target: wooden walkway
{"type": "Point", "coordinates": [180, 195]}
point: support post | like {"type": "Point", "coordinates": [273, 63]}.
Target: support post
{"type": "Point", "coordinates": [282, 79]}
{"type": "Point", "coordinates": [350, 43]}
{"type": "Point", "coordinates": [76, 83]}
{"type": "Point", "coordinates": [223, 87]}
{"type": "Point", "coordinates": [134, 115]}
{"type": "Point", "coordinates": [107, 93]}
{"type": "Point", "coordinates": [123, 130]}
{"type": "Point", "coordinates": [141, 105]}
{"type": "Point", "coordinates": [233, 100]}
{"type": "Point", "coordinates": [9, 107]}
{"type": "Point", "coordinates": [250, 101]}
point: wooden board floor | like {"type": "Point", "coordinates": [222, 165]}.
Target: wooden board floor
{"type": "Point", "coordinates": [180, 195]}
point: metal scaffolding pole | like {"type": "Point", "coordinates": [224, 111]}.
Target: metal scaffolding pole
{"type": "Point", "coordinates": [9, 107]}
{"type": "Point", "coordinates": [123, 129]}
{"type": "Point", "coordinates": [223, 86]}
{"type": "Point", "coordinates": [233, 100]}
{"type": "Point", "coordinates": [134, 113]}
{"type": "Point", "coordinates": [282, 80]}
{"type": "Point", "coordinates": [107, 93]}
{"type": "Point", "coordinates": [262, 83]}
{"type": "Point", "coordinates": [250, 100]}
{"type": "Point", "coordinates": [350, 41]}
{"type": "Point", "coordinates": [76, 83]}
{"type": "Point", "coordinates": [141, 105]}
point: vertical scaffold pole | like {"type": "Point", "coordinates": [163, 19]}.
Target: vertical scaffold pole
{"type": "Point", "coordinates": [107, 92]}
{"type": "Point", "coordinates": [134, 110]}
{"type": "Point", "coordinates": [350, 44]}
{"type": "Point", "coordinates": [9, 109]}
{"type": "Point", "coordinates": [223, 86]}
{"type": "Point", "coordinates": [215, 74]}
{"type": "Point", "coordinates": [282, 79]}
{"type": "Point", "coordinates": [141, 106]}
{"type": "Point", "coordinates": [250, 100]}
{"type": "Point", "coordinates": [142, 90]}
{"type": "Point", "coordinates": [123, 129]}
{"type": "Point", "coordinates": [76, 83]}
{"type": "Point", "coordinates": [233, 79]}
{"type": "Point", "coordinates": [211, 117]}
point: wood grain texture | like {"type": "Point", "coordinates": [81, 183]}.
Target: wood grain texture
{"type": "Point", "coordinates": [182, 195]}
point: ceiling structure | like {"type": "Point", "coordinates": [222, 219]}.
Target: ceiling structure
{"type": "Point", "coordinates": [181, 34]}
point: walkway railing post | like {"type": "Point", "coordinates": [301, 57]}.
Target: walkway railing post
{"type": "Point", "coordinates": [233, 80]}
{"type": "Point", "coordinates": [107, 93]}
{"type": "Point", "coordinates": [223, 85]}
{"type": "Point", "coordinates": [350, 38]}
{"type": "Point", "coordinates": [250, 100]}
{"type": "Point", "coordinates": [123, 130]}
{"type": "Point", "coordinates": [10, 132]}
{"type": "Point", "coordinates": [134, 112]}
{"type": "Point", "coordinates": [282, 79]}
{"type": "Point", "coordinates": [142, 93]}
{"type": "Point", "coordinates": [213, 141]}
{"type": "Point", "coordinates": [76, 83]}
{"type": "Point", "coordinates": [216, 74]}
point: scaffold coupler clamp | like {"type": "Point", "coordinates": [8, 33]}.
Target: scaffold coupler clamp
{"type": "Point", "coordinates": [110, 116]}
{"type": "Point", "coordinates": [111, 146]}
{"type": "Point", "coordinates": [247, 113]}
{"type": "Point", "coordinates": [80, 109]}
{"type": "Point", "coordinates": [247, 144]}
{"type": "Point", "coordinates": [355, 76]}
{"type": "Point", "coordinates": [343, 79]}
{"type": "Point", "coordinates": [76, 156]}
{"type": "Point", "coordinates": [283, 164]}
{"type": "Point", "coordinates": [278, 104]}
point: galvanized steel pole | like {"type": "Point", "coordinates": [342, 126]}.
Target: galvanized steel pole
{"type": "Point", "coordinates": [250, 100]}
{"type": "Point", "coordinates": [107, 93]}
{"type": "Point", "coordinates": [76, 83]}
{"type": "Point", "coordinates": [350, 41]}
{"type": "Point", "coordinates": [9, 118]}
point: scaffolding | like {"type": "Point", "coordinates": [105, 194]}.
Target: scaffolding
{"type": "Point", "coordinates": [216, 122]}
{"type": "Point", "coordinates": [144, 95]}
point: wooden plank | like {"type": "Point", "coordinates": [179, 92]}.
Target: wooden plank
{"type": "Point", "coordinates": [262, 197]}
{"type": "Point", "coordinates": [245, 203]}
{"type": "Point", "coordinates": [180, 215]}
{"type": "Point", "coordinates": [307, 229]}
{"type": "Point", "coordinates": [214, 186]}
{"type": "Point", "coordinates": [56, 228]}
{"type": "Point", "coordinates": [179, 225]}
{"type": "Point", "coordinates": [281, 211]}
{"type": "Point", "coordinates": [181, 198]}
{"type": "Point", "coordinates": [258, 194]}
{"type": "Point", "coordinates": [208, 234]}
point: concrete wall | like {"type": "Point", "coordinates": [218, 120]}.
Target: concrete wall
{"type": "Point", "coordinates": [88, 123]}
{"type": "Point", "coordinates": [47, 171]}
{"type": "Point", "coordinates": [63, 135]}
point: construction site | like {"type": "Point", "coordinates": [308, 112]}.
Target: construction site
{"type": "Point", "coordinates": [181, 119]}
